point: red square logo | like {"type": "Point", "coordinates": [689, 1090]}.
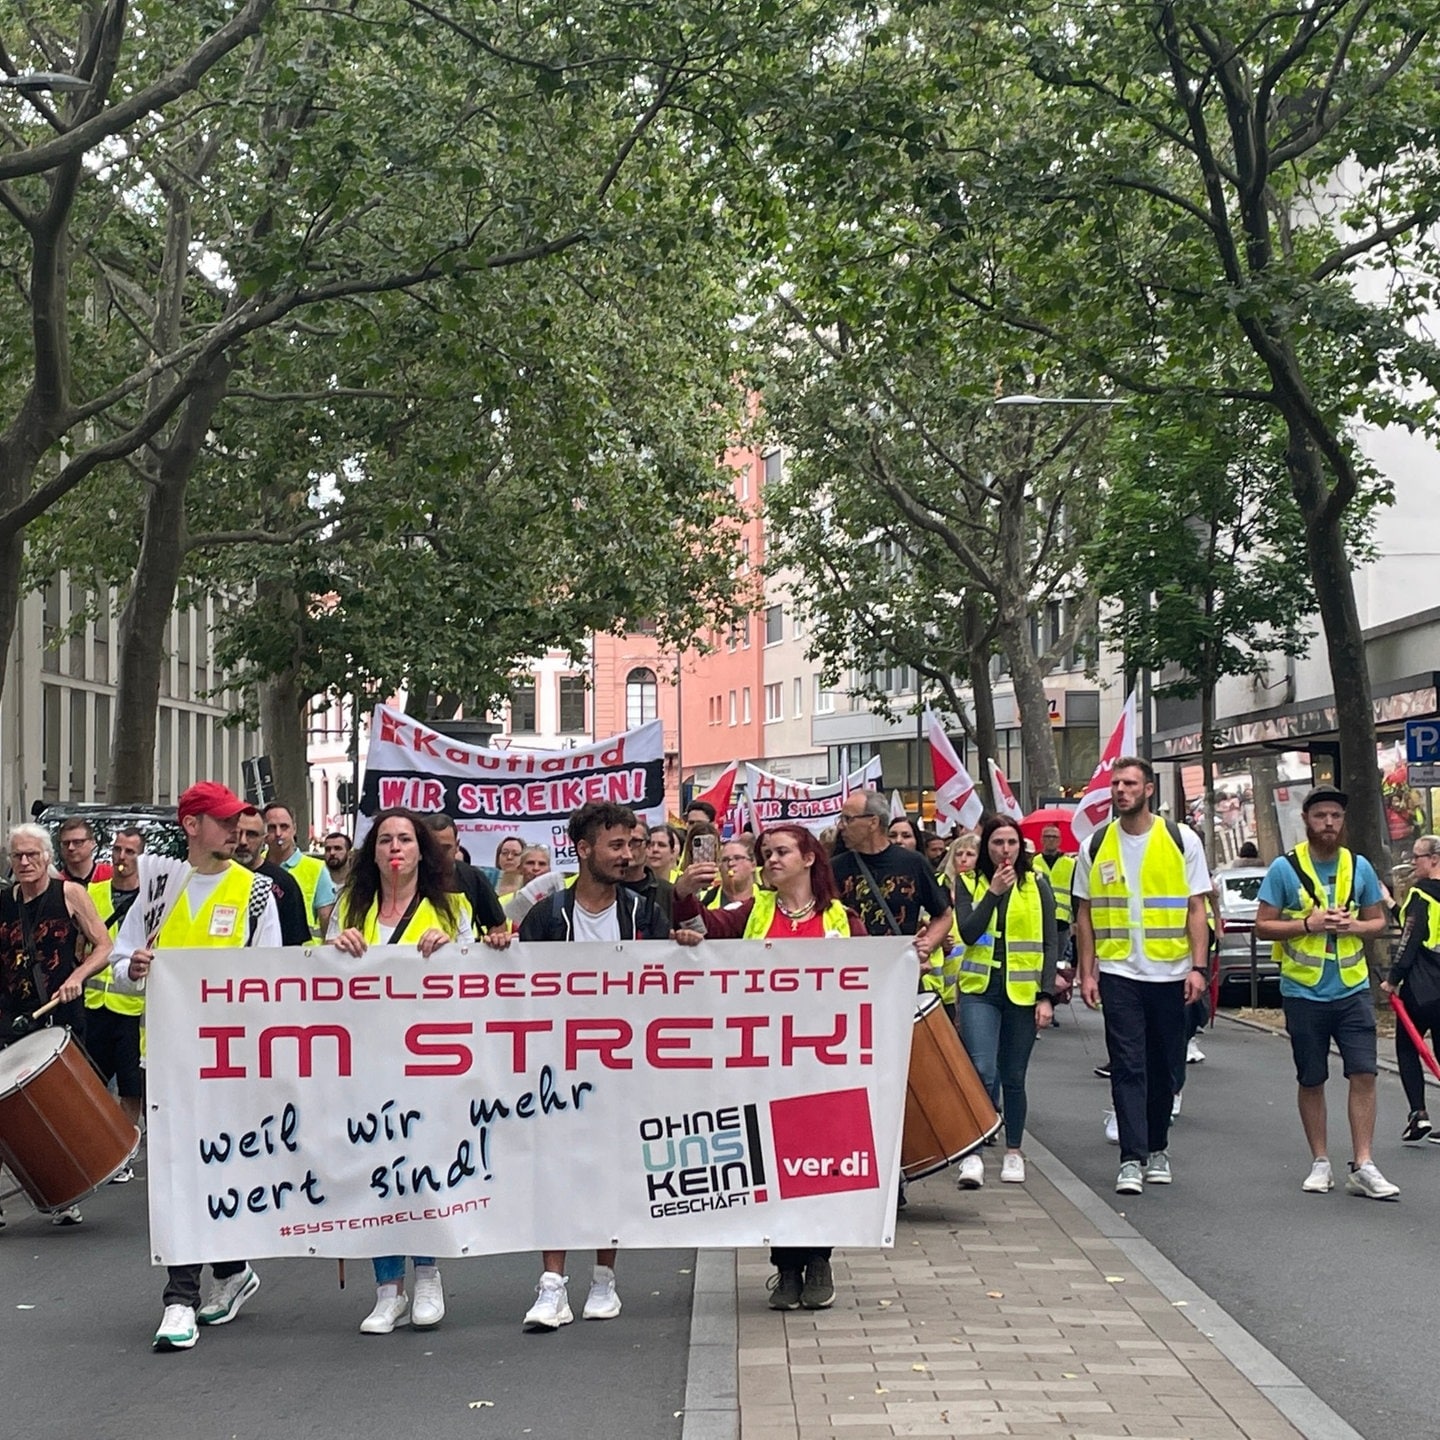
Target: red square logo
{"type": "Point", "coordinates": [823, 1143]}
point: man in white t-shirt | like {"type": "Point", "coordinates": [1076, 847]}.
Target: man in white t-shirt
{"type": "Point", "coordinates": [1141, 941]}
{"type": "Point", "coordinates": [204, 900]}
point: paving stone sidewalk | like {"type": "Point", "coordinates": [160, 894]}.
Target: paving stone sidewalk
{"type": "Point", "coordinates": [1002, 1311]}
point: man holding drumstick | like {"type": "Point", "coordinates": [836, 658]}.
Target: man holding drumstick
{"type": "Point", "coordinates": [205, 900]}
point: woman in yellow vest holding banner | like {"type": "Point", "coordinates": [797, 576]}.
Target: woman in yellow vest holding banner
{"type": "Point", "coordinates": [801, 904]}
{"type": "Point", "coordinates": [1007, 975]}
{"type": "Point", "coordinates": [396, 896]}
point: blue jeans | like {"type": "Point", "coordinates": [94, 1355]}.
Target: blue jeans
{"type": "Point", "coordinates": [390, 1269]}
{"type": "Point", "coordinates": [999, 1035]}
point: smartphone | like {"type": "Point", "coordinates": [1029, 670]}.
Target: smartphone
{"type": "Point", "coordinates": [705, 850]}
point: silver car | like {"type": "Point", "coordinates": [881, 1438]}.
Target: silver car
{"type": "Point", "coordinates": [1238, 899]}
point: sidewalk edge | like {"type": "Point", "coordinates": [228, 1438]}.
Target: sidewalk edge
{"type": "Point", "coordinates": [712, 1368]}
{"type": "Point", "coordinates": [1300, 1405]}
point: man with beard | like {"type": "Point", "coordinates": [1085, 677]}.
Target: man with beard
{"type": "Point", "coordinates": [643, 880]}
{"type": "Point", "coordinates": [464, 879]}
{"type": "Point", "coordinates": [1142, 941]}
{"type": "Point", "coordinates": [289, 897]}
{"type": "Point", "coordinates": [1318, 906]}
{"type": "Point", "coordinates": [338, 851]}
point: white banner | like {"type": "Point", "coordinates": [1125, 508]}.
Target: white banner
{"type": "Point", "coordinates": [547, 1097]}
{"type": "Point", "coordinates": [494, 793]}
{"type": "Point", "coordinates": [776, 800]}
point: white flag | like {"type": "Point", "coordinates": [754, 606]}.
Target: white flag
{"type": "Point", "coordinates": [897, 806]}
{"type": "Point", "coordinates": [956, 802]}
{"type": "Point", "coordinates": [1005, 801]}
{"type": "Point", "coordinates": [1094, 806]}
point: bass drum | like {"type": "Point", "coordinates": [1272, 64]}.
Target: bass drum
{"type": "Point", "coordinates": [62, 1133]}
{"type": "Point", "coordinates": [947, 1112]}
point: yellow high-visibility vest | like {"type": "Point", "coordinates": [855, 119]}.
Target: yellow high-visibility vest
{"type": "Point", "coordinates": [1024, 934]}
{"type": "Point", "coordinates": [1165, 899]}
{"type": "Point", "coordinates": [223, 919]}
{"type": "Point", "coordinates": [762, 916]}
{"type": "Point", "coordinates": [1061, 876]}
{"type": "Point", "coordinates": [100, 992]}
{"type": "Point", "coordinates": [1302, 958]}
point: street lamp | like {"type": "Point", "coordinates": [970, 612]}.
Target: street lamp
{"type": "Point", "coordinates": [38, 82]}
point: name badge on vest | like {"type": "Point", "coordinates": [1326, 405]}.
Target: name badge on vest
{"type": "Point", "coordinates": [222, 921]}
{"type": "Point", "coordinates": [1109, 872]}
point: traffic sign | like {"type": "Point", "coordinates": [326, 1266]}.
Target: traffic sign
{"type": "Point", "coordinates": [1422, 740]}
{"type": "Point", "coordinates": [1423, 772]}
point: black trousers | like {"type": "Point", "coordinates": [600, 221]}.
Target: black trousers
{"type": "Point", "coordinates": [182, 1282]}
{"type": "Point", "coordinates": [1407, 1057]}
{"type": "Point", "coordinates": [797, 1257]}
{"type": "Point", "coordinates": [1145, 1034]}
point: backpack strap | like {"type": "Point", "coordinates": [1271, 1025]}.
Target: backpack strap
{"type": "Point", "coordinates": [1306, 883]}
{"type": "Point", "coordinates": [1097, 837]}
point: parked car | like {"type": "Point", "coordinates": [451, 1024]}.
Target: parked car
{"type": "Point", "coordinates": [159, 823]}
{"type": "Point", "coordinates": [1238, 900]}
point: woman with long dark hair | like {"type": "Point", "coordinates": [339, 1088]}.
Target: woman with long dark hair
{"type": "Point", "coordinates": [801, 903]}
{"type": "Point", "coordinates": [1006, 982]}
{"type": "Point", "coordinates": [396, 896]}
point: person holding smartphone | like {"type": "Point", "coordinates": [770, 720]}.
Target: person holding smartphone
{"type": "Point", "coordinates": [1006, 982]}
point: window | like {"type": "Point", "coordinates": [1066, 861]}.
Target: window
{"type": "Point", "coordinates": [732, 707]}
{"type": "Point", "coordinates": [742, 482]}
{"type": "Point", "coordinates": [799, 697]}
{"type": "Point", "coordinates": [824, 698]}
{"type": "Point", "coordinates": [641, 698]}
{"type": "Point", "coordinates": [572, 704]}
{"type": "Point", "coordinates": [739, 636]}
{"type": "Point", "coordinates": [774, 624]}
{"type": "Point", "coordinates": [774, 703]}
{"type": "Point", "coordinates": [522, 707]}
{"type": "Point", "coordinates": [774, 467]}
{"type": "Point", "coordinates": [745, 706]}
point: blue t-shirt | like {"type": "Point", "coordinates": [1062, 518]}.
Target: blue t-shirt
{"type": "Point", "coordinates": [1281, 889]}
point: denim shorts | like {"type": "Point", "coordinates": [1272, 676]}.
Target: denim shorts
{"type": "Point", "coordinates": [1313, 1024]}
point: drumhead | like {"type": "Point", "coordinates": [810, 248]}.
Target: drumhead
{"type": "Point", "coordinates": [928, 1001]}
{"type": "Point", "coordinates": [29, 1056]}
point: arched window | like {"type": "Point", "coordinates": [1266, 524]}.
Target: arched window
{"type": "Point", "coordinates": [641, 698]}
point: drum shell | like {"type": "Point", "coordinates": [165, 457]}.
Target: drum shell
{"type": "Point", "coordinates": [62, 1133]}
{"type": "Point", "coordinates": [947, 1110]}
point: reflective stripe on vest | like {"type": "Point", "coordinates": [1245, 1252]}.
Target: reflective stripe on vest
{"type": "Point", "coordinates": [100, 992]}
{"type": "Point", "coordinates": [762, 916]}
{"type": "Point", "coordinates": [1024, 949]}
{"type": "Point", "coordinates": [1164, 906]}
{"type": "Point", "coordinates": [183, 930]}
{"type": "Point", "coordinates": [1302, 958]}
{"type": "Point", "coordinates": [1062, 877]}
{"type": "Point", "coordinates": [1432, 917]}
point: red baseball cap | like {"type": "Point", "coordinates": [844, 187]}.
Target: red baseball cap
{"type": "Point", "coordinates": [209, 797]}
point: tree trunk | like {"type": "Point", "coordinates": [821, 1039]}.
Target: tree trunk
{"type": "Point", "coordinates": [152, 595]}
{"type": "Point", "coordinates": [982, 701]}
{"type": "Point", "coordinates": [1207, 760]}
{"type": "Point", "coordinates": [1330, 569]}
{"type": "Point", "coordinates": [1037, 739]}
{"type": "Point", "coordinates": [282, 730]}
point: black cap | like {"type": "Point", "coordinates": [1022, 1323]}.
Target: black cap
{"type": "Point", "coordinates": [1323, 793]}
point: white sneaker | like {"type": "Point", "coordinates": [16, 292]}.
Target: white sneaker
{"type": "Point", "coordinates": [602, 1303]}
{"type": "Point", "coordinates": [123, 1176]}
{"type": "Point", "coordinates": [971, 1175]}
{"type": "Point", "coordinates": [389, 1311]}
{"type": "Point", "coordinates": [551, 1309]}
{"type": "Point", "coordinates": [1012, 1168]}
{"type": "Point", "coordinates": [177, 1329]}
{"type": "Point", "coordinates": [226, 1297]}
{"type": "Point", "coordinates": [1319, 1181]}
{"type": "Point", "coordinates": [1193, 1053]}
{"type": "Point", "coordinates": [71, 1216]}
{"type": "Point", "coordinates": [429, 1304]}
{"type": "Point", "coordinates": [1175, 1105]}
{"type": "Point", "coordinates": [1112, 1128]}
{"type": "Point", "coordinates": [1366, 1180]}
{"type": "Point", "coordinates": [1157, 1169]}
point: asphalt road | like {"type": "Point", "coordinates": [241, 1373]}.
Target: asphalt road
{"type": "Point", "coordinates": [1340, 1288]}
{"type": "Point", "coordinates": [78, 1307]}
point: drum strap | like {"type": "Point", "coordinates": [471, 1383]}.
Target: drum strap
{"type": "Point", "coordinates": [878, 893]}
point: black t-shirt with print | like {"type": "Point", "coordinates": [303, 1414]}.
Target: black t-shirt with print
{"type": "Point", "coordinates": [906, 881]}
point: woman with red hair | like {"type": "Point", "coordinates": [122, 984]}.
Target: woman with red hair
{"type": "Point", "coordinates": [799, 903]}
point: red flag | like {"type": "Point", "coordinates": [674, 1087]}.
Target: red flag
{"type": "Point", "coordinates": [720, 791]}
{"type": "Point", "coordinates": [1094, 806]}
{"type": "Point", "coordinates": [1424, 1051]}
{"type": "Point", "coordinates": [1005, 801]}
{"type": "Point", "coordinates": [956, 802]}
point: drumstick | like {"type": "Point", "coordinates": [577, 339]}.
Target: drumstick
{"type": "Point", "coordinates": [45, 1009]}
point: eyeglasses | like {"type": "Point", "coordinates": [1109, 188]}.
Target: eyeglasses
{"type": "Point", "coordinates": [844, 819]}
{"type": "Point", "coordinates": [27, 857]}
{"type": "Point", "coordinates": [1424, 854]}
{"type": "Point", "coordinates": [75, 840]}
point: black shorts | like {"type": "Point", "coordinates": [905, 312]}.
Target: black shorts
{"type": "Point", "coordinates": [1313, 1024]}
{"type": "Point", "coordinates": [113, 1043]}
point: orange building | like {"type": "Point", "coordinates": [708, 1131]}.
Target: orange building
{"type": "Point", "coordinates": [633, 682]}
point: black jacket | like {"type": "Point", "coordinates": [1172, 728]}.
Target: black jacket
{"type": "Point", "coordinates": [554, 917]}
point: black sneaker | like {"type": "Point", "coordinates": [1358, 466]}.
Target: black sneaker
{"type": "Point", "coordinates": [1417, 1127]}
{"type": "Point", "coordinates": [1103, 1071]}
{"type": "Point", "coordinates": [785, 1289]}
{"type": "Point", "coordinates": [819, 1289]}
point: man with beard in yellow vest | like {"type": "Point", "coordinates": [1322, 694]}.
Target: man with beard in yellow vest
{"type": "Point", "coordinates": [207, 899]}
{"type": "Point", "coordinates": [1142, 940]}
{"type": "Point", "coordinates": [1318, 906]}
